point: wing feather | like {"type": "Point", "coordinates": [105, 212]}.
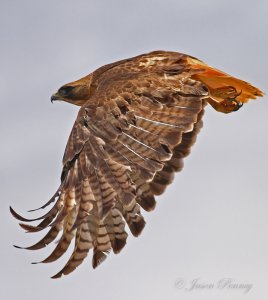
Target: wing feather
{"type": "Point", "coordinates": [83, 243]}
{"type": "Point", "coordinates": [48, 238]}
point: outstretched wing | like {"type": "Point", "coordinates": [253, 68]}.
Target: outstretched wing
{"type": "Point", "coordinates": [124, 148]}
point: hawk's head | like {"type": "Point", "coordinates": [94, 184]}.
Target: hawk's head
{"type": "Point", "coordinates": [76, 92]}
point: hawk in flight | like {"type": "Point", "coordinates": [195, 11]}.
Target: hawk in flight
{"type": "Point", "coordinates": [139, 118]}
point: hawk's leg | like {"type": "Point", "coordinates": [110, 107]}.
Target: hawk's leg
{"type": "Point", "coordinates": [229, 102]}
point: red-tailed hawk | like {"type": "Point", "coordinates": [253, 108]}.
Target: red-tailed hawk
{"type": "Point", "coordinates": [138, 119]}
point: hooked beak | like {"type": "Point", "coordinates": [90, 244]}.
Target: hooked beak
{"type": "Point", "coordinates": [55, 97]}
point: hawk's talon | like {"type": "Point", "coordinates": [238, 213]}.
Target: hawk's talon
{"type": "Point", "coordinates": [238, 104]}
{"type": "Point", "coordinates": [229, 103]}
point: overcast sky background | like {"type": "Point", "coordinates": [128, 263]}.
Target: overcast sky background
{"type": "Point", "coordinates": [217, 207]}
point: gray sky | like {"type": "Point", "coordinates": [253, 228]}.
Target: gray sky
{"type": "Point", "coordinates": [216, 208]}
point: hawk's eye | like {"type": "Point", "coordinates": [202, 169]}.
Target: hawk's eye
{"type": "Point", "coordinates": [65, 90]}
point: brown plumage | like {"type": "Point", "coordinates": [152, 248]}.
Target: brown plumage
{"type": "Point", "coordinates": [138, 119]}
